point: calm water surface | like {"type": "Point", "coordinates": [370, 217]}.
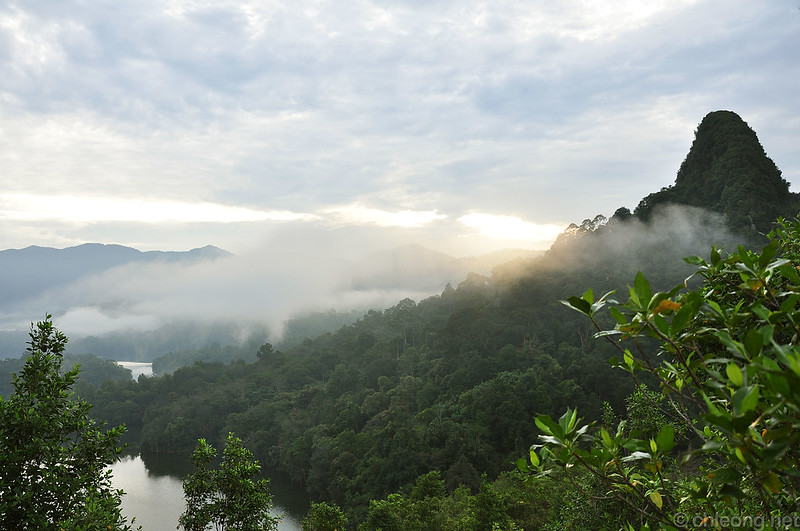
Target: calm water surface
{"type": "Point", "coordinates": [137, 368]}
{"type": "Point", "coordinates": [153, 484]}
{"type": "Point", "coordinates": [154, 492]}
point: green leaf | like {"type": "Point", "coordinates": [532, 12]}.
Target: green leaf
{"type": "Point", "coordinates": [666, 438]}
{"type": "Point", "coordinates": [548, 426]}
{"type": "Point", "coordinates": [681, 318]}
{"type": "Point", "coordinates": [788, 357]}
{"type": "Point", "coordinates": [643, 291]}
{"type": "Point", "coordinates": [661, 325]}
{"type": "Point", "coordinates": [725, 475]}
{"type": "Point", "coordinates": [715, 256]}
{"type": "Point", "coordinates": [534, 458]}
{"type": "Point", "coordinates": [655, 497]}
{"type": "Point", "coordinates": [739, 455]}
{"type": "Point", "coordinates": [609, 443]}
{"type": "Point", "coordinates": [761, 312]}
{"type": "Point", "coordinates": [726, 339]}
{"type": "Point", "coordinates": [767, 254]}
{"type": "Point", "coordinates": [578, 304]}
{"type": "Point", "coordinates": [753, 342]}
{"type": "Point", "coordinates": [628, 358]}
{"type": "Point", "coordinates": [790, 272]}
{"type": "Point", "coordinates": [729, 489]}
{"type": "Point", "coordinates": [779, 384]}
{"type": "Point", "coordinates": [734, 374]}
{"type": "Point", "coordinates": [745, 399]}
{"type": "Point", "coordinates": [588, 296]}
{"type": "Point", "coordinates": [791, 301]}
{"type": "Point", "coordinates": [617, 315]}
{"type": "Point", "coordinates": [568, 420]}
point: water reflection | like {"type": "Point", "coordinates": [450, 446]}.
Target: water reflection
{"type": "Point", "coordinates": [154, 492]}
{"type": "Point", "coordinates": [137, 368]}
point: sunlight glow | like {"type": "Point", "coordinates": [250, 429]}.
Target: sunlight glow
{"type": "Point", "coordinates": [511, 227]}
{"type": "Point", "coordinates": [98, 209]}
{"type": "Point", "coordinates": [357, 213]}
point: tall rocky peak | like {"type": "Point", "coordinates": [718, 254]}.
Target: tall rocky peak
{"type": "Point", "coordinates": [727, 171]}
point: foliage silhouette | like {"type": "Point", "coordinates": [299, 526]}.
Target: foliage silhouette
{"type": "Point", "coordinates": [53, 454]}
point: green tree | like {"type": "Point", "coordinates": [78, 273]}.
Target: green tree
{"type": "Point", "coordinates": [728, 365]}
{"type": "Point", "coordinates": [265, 351]}
{"type": "Point", "coordinates": [54, 457]}
{"type": "Point", "coordinates": [324, 517]}
{"type": "Point", "coordinates": [228, 498]}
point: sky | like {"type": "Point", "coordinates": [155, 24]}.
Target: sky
{"type": "Point", "coordinates": [341, 128]}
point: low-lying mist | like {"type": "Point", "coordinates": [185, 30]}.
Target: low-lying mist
{"type": "Point", "coordinates": [620, 248]}
{"type": "Point", "coordinates": [143, 309]}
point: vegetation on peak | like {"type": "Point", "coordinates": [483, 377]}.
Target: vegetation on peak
{"type": "Point", "coordinates": [727, 171]}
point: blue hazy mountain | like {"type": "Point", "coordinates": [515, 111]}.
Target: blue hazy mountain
{"type": "Point", "coordinates": [28, 272]}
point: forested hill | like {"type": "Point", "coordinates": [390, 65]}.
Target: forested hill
{"type": "Point", "coordinates": [727, 171]}
{"type": "Point", "coordinates": [447, 384]}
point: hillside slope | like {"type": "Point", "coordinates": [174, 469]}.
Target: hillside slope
{"type": "Point", "coordinates": [449, 384]}
{"type": "Point", "coordinates": [727, 171]}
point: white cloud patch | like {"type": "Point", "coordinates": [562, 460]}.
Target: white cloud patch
{"type": "Point", "coordinates": [360, 214]}
{"type": "Point", "coordinates": [102, 209]}
{"type": "Point", "coordinates": [89, 320]}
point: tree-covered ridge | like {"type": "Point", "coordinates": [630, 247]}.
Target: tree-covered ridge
{"type": "Point", "coordinates": [447, 384]}
{"type": "Point", "coordinates": [728, 171]}
{"type": "Point", "coordinates": [93, 371]}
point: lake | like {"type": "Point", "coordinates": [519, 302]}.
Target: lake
{"type": "Point", "coordinates": [153, 484]}
{"type": "Point", "coordinates": [154, 492]}
{"type": "Point", "coordinates": [137, 368]}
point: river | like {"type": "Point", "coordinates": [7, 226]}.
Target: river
{"type": "Point", "coordinates": [137, 368]}
{"type": "Point", "coordinates": [154, 492]}
{"type": "Point", "coordinates": [153, 484]}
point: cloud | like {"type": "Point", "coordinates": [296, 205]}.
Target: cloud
{"type": "Point", "coordinates": [264, 287]}
{"type": "Point", "coordinates": [359, 214]}
{"type": "Point", "coordinates": [103, 209]}
{"type": "Point", "coordinates": [548, 112]}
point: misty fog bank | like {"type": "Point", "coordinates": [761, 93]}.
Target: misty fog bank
{"type": "Point", "coordinates": [139, 311]}
{"type": "Point", "coordinates": [143, 309]}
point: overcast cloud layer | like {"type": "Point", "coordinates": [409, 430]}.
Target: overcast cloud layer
{"type": "Point", "coordinates": [354, 125]}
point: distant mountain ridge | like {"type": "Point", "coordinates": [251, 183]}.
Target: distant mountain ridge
{"type": "Point", "coordinates": [32, 270]}
{"type": "Point", "coordinates": [727, 171]}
